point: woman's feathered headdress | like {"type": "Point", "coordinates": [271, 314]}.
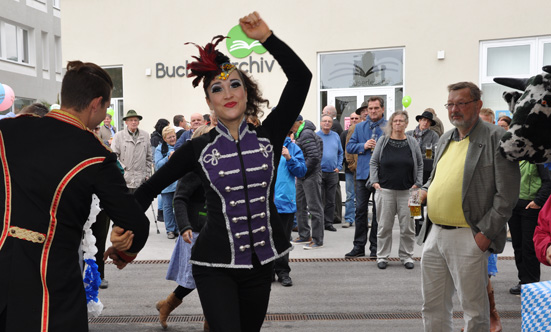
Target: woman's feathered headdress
{"type": "Point", "coordinates": [210, 63]}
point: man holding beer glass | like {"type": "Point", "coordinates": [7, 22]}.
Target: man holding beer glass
{"type": "Point", "coordinates": [396, 166]}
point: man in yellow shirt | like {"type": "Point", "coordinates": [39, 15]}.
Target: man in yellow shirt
{"type": "Point", "coordinates": [470, 195]}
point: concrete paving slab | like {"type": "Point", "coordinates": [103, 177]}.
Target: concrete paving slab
{"type": "Point", "coordinates": [324, 283]}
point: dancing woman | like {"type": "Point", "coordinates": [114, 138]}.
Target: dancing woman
{"type": "Point", "coordinates": [233, 257]}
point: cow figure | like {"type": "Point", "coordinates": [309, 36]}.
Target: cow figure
{"type": "Point", "coordinates": [529, 135]}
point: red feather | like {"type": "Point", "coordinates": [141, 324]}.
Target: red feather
{"type": "Point", "coordinates": [205, 63]}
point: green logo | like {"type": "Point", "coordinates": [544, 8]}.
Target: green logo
{"type": "Point", "coordinates": [240, 46]}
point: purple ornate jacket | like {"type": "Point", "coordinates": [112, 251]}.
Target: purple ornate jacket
{"type": "Point", "coordinates": [238, 177]}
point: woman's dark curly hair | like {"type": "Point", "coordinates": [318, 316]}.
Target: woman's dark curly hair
{"type": "Point", "coordinates": [161, 123]}
{"type": "Point", "coordinates": [207, 67]}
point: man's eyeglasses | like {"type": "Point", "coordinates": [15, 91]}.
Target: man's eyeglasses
{"type": "Point", "coordinates": [458, 105]}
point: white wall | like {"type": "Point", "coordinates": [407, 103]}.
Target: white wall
{"type": "Point", "coordinates": [139, 33]}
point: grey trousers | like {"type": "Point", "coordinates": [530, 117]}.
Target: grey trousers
{"type": "Point", "coordinates": [389, 204]}
{"type": "Point", "coordinates": [453, 263]}
{"type": "Point", "coordinates": [309, 200]}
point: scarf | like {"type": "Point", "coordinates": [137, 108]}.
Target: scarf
{"type": "Point", "coordinates": [418, 134]}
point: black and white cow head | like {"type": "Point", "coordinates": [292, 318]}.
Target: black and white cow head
{"type": "Point", "coordinates": [529, 135]}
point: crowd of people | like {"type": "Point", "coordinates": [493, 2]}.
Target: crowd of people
{"type": "Point", "coordinates": [230, 185]}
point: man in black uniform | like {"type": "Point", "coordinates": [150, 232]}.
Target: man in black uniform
{"type": "Point", "coordinates": [46, 190]}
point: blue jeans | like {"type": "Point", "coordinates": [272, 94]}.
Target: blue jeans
{"type": "Point", "coordinates": [159, 202]}
{"type": "Point", "coordinates": [168, 213]}
{"type": "Point", "coordinates": [350, 205]}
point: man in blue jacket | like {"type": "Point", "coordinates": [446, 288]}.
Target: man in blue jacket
{"type": "Point", "coordinates": [362, 143]}
{"type": "Point", "coordinates": [291, 165]}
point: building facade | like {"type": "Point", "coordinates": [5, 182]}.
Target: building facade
{"type": "Point", "coordinates": [354, 48]}
{"type": "Point", "coordinates": [30, 50]}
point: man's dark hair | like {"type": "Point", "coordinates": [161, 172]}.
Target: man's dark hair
{"type": "Point", "coordinates": [177, 119]}
{"type": "Point", "coordinates": [83, 82]}
{"type": "Point", "coordinates": [36, 108]}
{"type": "Point", "coordinates": [206, 117]}
{"type": "Point", "coordinates": [476, 94]}
{"type": "Point", "coordinates": [379, 99]}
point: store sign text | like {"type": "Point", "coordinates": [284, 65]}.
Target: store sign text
{"type": "Point", "coordinates": [251, 66]}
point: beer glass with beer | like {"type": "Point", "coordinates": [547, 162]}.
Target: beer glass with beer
{"type": "Point", "coordinates": [428, 151]}
{"type": "Point", "coordinates": [414, 203]}
{"type": "Point", "coordinates": [374, 136]}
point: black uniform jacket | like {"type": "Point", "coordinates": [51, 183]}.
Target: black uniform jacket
{"type": "Point", "coordinates": [50, 167]}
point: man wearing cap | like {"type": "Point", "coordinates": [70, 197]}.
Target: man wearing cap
{"type": "Point", "coordinates": [422, 133]}
{"type": "Point", "coordinates": [133, 149]}
{"type": "Point", "coordinates": [362, 111]}
{"type": "Point", "coordinates": [362, 143]}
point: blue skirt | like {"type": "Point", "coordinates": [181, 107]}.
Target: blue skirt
{"type": "Point", "coordinates": [179, 269]}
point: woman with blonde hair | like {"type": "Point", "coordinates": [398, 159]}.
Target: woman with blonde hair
{"type": "Point", "coordinates": [163, 152]}
{"type": "Point", "coordinates": [396, 166]}
{"type": "Point", "coordinates": [191, 215]}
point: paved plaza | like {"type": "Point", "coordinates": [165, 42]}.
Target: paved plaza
{"type": "Point", "coordinates": [329, 293]}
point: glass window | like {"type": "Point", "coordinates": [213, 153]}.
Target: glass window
{"type": "Point", "coordinates": [45, 51]}
{"type": "Point", "coordinates": [23, 45]}
{"type": "Point", "coordinates": [520, 58]}
{"type": "Point", "coordinates": [398, 95]}
{"type": "Point", "coordinates": [361, 69]}
{"type": "Point", "coordinates": [15, 45]}
{"type": "Point", "coordinates": [19, 103]}
{"type": "Point", "coordinates": [547, 54]}
{"type": "Point", "coordinates": [10, 34]}
{"type": "Point", "coordinates": [58, 64]}
{"type": "Point", "coordinates": [116, 77]}
{"type": "Point", "coordinates": [511, 60]}
{"type": "Point", "coordinates": [492, 96]}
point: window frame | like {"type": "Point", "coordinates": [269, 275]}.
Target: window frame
{"type": "Point", "coordinates": [23, 37]}
{"type": "Point", "coordinates": [535, 61]}
{"type": "Point", "coordinates": [541, 47]}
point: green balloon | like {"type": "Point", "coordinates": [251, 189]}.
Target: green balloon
{"type": "Point", "coordinates": [406, 101]}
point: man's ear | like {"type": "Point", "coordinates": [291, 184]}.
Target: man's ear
{"type": "Point", "coordinates": [96, 103]}
{"type": "Point", "coordinates": [479, 103]}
